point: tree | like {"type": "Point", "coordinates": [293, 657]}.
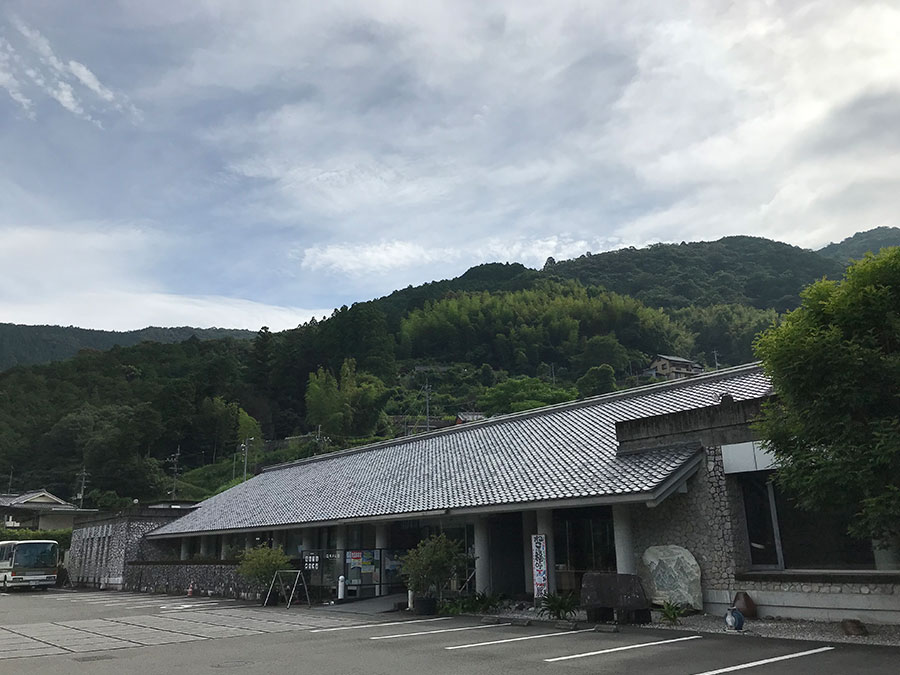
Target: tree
{"type": "Point", "coordinates": [597, 380]}
{"type": "Point", "coordinates": [835, 424]}
{"type": "Point", "coordinates": [522, 393]}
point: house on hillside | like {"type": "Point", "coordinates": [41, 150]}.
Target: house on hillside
{"type": "Point", "coordinates": [609, 481]}
{"type": "Point", "coordinates": [672, 368]}
{"type": "Point", "coordinates": [37, 510]}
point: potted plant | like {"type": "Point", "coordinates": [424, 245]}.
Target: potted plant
{"type": "Point", "coordinates": [427, 567]}
{"type": "Point", "coordinates": [258, 565]}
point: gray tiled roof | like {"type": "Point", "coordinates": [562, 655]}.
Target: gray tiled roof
{"type": "Point", "coordinates": [560, 452]}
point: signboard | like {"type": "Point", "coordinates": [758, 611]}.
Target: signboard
{"type": "Point", "coordinates": [539, 565]}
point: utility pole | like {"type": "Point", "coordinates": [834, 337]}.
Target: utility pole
{"type": "Point", "coordinates": [427, 405]}
{"type": "Point", "coordinates": [716, 357]}
{"type": "Point", "coordinates": [83, 475]}
{"type": "Point", "coordinates": [9, 489]}
{"type": "Point", "coordinates": [246, 448]}
{"type": "Point", "coordinates": [174, 458]}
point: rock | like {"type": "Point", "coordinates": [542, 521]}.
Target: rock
{"type": "Point", "coordinates": [853, 627]}
{"type": "Point", "coordinates": [674, 576]}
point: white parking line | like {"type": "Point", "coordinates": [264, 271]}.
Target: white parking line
{"type": "Point", "coordinates": [621, 649]}
{"type": "Point", "coordinates": [442, 630]}
{"type": "Point", "coordinates": [378, 625]}
{"type": "Point", "coordinates": [518, 639]}
{"type": "Point", "coordinates": [763, 662]}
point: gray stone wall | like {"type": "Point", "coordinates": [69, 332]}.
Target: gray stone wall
{"type": "Point", "coordinates": [698, 520]}
{"type": "Point", "coordinates": [102, 545]}
{"type": "Point", "coordinates": [708, 520]}
{"type": "Point", "coordinates": [208, 579]}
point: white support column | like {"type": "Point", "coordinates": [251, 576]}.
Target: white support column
{"type": "Point", "coordinates": [624, 540]}
{"type": "Point", "coordinates": [249, 540]}
{"type": "Point", "coordinates": [223, 546]}
{"type": "Point", "coordinates": [545, 527]}
{"type": "Point", "coordinates": [529, 527]}
{"type": "Point", "coordinates": [482, 556]}
{"type": "Point", "coordinates": [185, 548]}
{"type": "Point", "coordinates": [204, 546]}
{"type": "Point", "coordinates": [381, 542]}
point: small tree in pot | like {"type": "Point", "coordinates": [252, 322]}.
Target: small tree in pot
{"type": "Point", "coordinates": [427, 566]}
{"type": "Point", "coordinates": [258, 565]}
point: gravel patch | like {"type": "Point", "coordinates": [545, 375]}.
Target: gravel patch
{"type": "Point", "coordinates": [787, 629]}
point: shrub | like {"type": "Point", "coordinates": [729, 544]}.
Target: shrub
{"type": "Point", "coordinates": [671, 612]}
{"type": "Point", "coordinates": [559, 606]}
{"type": "Point", "coordinates": [427, 566]}
{"type": "Point", "coordinates": [259, 564]}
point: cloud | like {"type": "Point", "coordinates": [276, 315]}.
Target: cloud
{"type": "Point", "coordinates": [99, 276]}
{"type": "Point", "coordinates": [316, 154]}
{"type": "Point", "coordinates": [55, 78]}
{"type": "Point", "coordinates": [390, 256]}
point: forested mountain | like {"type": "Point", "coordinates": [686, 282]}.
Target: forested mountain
{"type": "Point", "coordinates": [856, 247]}
{"type": "Point", "coordinates": [734, 270]}
{"type": "Point", "coordinates": [25, 345]}
{"type": "Point", "coordinates": [497, 339]}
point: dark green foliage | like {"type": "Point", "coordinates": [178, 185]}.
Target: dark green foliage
{"type": "Point", "coordinates": [558, 606]}
{"type": "Point", "coordinates": [479, 603]}
{"type": "Point", "coordinates": [724, 332]}
{"type": "Point", "coordinates": [522, 393]}
{"type": "Point", "coordinates": [856, 247]}
{"type": "Point", "coordinates": [26, 345]}
{"type": "Point", "coordinates": [835, 426]}
{"type": "Point", "coordinates": [61, 537]}
{"type": "Point", "coordinates": [733, 270]}
{"type": "Point", "coordinates": [597, 380]}
{"type": "Point", "coordinates": [428, 566]}
{"type": "Point", "coordinates": [672, 612]}
{"type": "Point", "coordinates": [259, 564]}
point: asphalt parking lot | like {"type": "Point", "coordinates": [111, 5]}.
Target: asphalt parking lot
{"type": "Point", "coordinates": [106, 632]}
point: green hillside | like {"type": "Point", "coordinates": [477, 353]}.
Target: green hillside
{"type": "Point", "coordinates": [26, 345]}
{"type": "Point", "coordinates": [856, 247]}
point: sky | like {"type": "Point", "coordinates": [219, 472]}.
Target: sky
{"type": "Point", "coordinates": [240, 164]}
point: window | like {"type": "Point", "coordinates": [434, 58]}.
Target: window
{"type": "Point", "coordinates": [782, 536]}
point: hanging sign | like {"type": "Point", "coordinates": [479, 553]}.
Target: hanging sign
{"type": "Point", "coordinates": [539, 564]}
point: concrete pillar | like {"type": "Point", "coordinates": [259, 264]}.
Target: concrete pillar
{"type": "Point", "coordinates": [223, 546]}
{"type": "Point", "coordinates": [482, 556]}
{"type": "Point", "coordinates": [204, 546]}
{"type": "Point", "coordinates": [185, 548]}
{"type": "Point", "coordinates": [545, 527]}
{"type": "Point", "coordinates": [340, 537]}
{"type": "Point", "coordinates": [624, 540]}
{"type": "Point", "coordinates": [249, 540]}
{"type": "Point", "coordinates": [529, 527]}
{"type": "Point", "coordinates": [381, 542]}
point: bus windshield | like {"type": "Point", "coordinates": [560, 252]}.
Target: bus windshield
{"type": "Point", "coordinates": [36, 554]}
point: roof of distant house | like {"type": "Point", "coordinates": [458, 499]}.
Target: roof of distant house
{"type": "Point", "coordinates": [553, 456]}
{"type": "Point", "coordinates": [34, 499]}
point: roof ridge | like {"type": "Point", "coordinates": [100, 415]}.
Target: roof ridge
{"type": "Point", "coordinates": [526, 414]}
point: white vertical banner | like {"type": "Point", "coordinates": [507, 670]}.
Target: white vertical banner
{"type": "Point", "coordinates": [539, 565]}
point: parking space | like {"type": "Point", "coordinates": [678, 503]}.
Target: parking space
{"type": "Point", "coordinates": [326, 641]}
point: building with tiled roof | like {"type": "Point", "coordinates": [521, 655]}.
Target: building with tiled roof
{"type": "Point", "coordinates": [666, 481]}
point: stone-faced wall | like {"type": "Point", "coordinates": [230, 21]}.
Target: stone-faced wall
{"type": "Point", "coordinates": [698, 520]}
{"type": "Point", "coordinates": [709, 521]}
{"type": "Point", "coordinates": [212, 578]}
{"type": "Point", "coordinates": [102, 544]}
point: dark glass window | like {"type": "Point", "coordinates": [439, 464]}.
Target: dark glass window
{"type": "Point", "coordinates": [760, 526]}
{"type": "Point", "coordinates": [779, 533]}
{"type": "Point", "coordinates": [819, 539]}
